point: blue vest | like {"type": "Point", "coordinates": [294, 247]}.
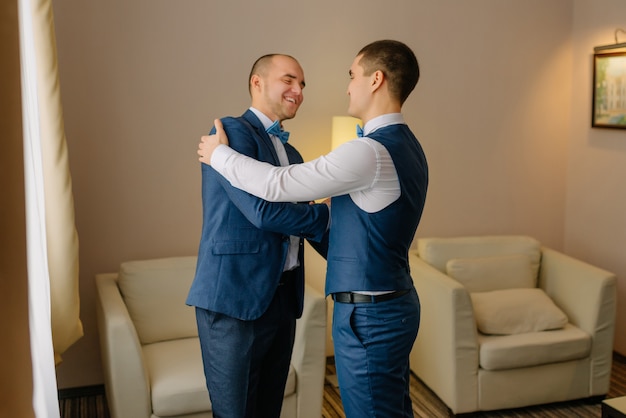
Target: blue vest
{"type": "Point", "coordinates": [369, 251]}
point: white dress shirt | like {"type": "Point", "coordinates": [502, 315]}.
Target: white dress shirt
{"type": "Point", "coordinates": [294, 242]}
{"type": "Point", "coordinates": [361, 168]}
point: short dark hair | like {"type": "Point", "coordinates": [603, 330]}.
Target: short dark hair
{"type": "Point", "coordinates": [260, 66]}
{"type": "Point", "coordinates": [397, 62]}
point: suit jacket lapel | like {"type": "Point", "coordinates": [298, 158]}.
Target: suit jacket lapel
{"type": "Point", "coordinates": [251, 118]}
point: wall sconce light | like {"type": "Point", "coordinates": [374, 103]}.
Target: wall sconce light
{"type": "Point", "coordinates": [616, 45]}
{"type": "Point", "coordinates": [344, 129]}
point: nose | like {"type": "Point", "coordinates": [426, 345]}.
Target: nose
{"type": "Point", "coordinates": [296, 88]}
{"type": "Point", "coordinates": [297, 91]}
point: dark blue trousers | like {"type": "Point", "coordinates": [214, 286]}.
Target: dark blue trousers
{"type": "Point", "coordinates": [372, 344]}
{"type": "Point", "coordinates": [246, 362]}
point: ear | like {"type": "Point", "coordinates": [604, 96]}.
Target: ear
{"type": "Point", "coordinates": [255, 82]}
{"type": "Point", "coordinates": [377, 79]}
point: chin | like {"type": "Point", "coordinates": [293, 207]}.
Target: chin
{"type": "Point", "coordinates": [290, 115]}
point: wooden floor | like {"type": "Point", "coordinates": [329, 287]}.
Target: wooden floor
{"type": "Point", "coordinates": [92, 403]}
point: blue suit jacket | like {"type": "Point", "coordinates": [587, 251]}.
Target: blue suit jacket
{"type": "Point", "coordinates": [245, 239]}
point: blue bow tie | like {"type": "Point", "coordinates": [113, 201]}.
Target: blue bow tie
{"type": "Point", "coordinates": [359, 131]}
{"type": "Point", "coordinates": [277, 131]}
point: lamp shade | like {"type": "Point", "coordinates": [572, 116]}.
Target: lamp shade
{"type": "Point", "coordinates": [344, 129]}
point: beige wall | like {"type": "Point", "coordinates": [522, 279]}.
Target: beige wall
{"type": "Point", "coordinates": [142, 80]}
{"type": "Point", "coordinates": [595, 221]}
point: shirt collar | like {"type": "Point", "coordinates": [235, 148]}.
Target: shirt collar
{"type": "Point", "coordinates": [382, 121]}
{"type": "Point", "coordinates": [267, 122]}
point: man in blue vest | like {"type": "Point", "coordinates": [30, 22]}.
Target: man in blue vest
{"type": "Point", "coordinates": [378, 185]}
{"type": "Point", "coordinates": [249, 284]}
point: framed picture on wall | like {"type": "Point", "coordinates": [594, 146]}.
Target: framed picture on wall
{"type": "Point", "coordinates": [609, 91]}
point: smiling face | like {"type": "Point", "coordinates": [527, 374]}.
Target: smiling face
{"type": "Point", "coordinates": [277, 88]}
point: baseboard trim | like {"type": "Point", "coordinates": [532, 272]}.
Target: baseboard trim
{"type": "Point", "coordinates": [81, 391]}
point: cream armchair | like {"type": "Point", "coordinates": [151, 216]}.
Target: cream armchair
{"type": "Point", "coordinates": [555, 347]}
{"type": "Point", "coordinates": [151, 355]}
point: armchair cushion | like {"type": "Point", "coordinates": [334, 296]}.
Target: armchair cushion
{"type": "Point", "coordinates": [156, 300]}
{"type": "Point", "coordinates": [499, 352]}
{"type": "Point", "coordinates": [516, 311]}
{"type": "Point", "coordinates": [483, 274]}
{"type": "Point", "coordinates": [176, 377]}
{"type": "Point", "coordinates": [438, 251]}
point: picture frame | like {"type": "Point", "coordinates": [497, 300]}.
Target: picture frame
{"type": "Point", "coordinates": [609, 90]}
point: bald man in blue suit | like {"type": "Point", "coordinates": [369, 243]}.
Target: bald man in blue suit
{"type": "Point", "coordinates": [249, 284]}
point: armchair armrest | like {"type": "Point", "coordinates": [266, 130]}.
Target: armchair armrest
{"type": "Point", "coordinates": [122, 358]}
{"type": "Point", "coordinates": [309, 354]}
{"type": "Point", "coordinates": [445, 354]}
{"type": "Point", "coordinates": [587, 295]}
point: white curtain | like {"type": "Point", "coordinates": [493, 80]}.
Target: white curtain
{"type": "Point", "coordinates": [52, 243]}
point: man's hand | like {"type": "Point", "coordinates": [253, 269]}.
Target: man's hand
{"type": "Point", "coordinates": [208, 143]}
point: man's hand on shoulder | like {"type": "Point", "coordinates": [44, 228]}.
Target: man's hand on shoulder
{"type": "Point", "coordinates": [208, 143]}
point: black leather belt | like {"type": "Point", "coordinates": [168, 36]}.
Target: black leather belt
{"type": "Point", "coordinates": [287, 276]}
{"type": "Point", "coordinates": [351, 297]}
